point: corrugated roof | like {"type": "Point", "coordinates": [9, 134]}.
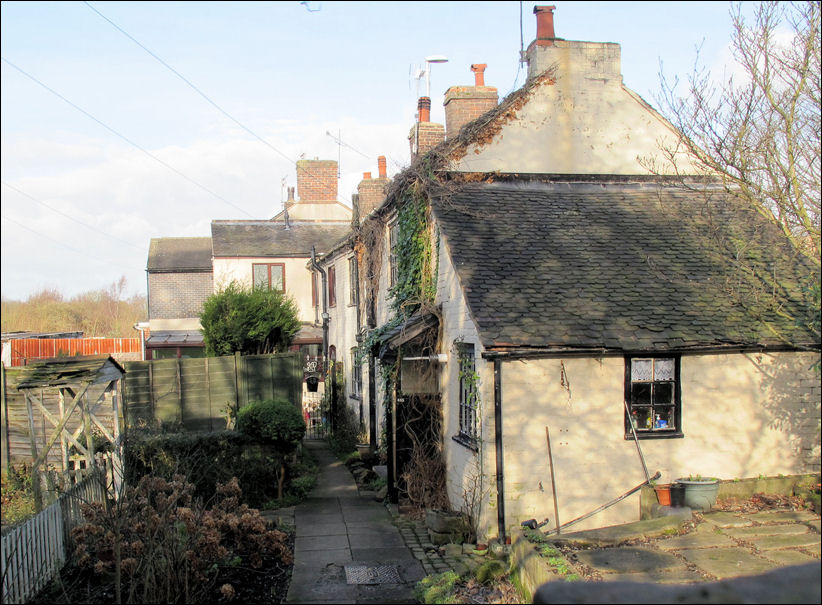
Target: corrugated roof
{"type": "Point", "coordinates": [267, 238]}
{"type": "Point", "coordinates": [67, 371]}
{"type": "Point", "coordinates": [179, 254]}
{"type": "Point", "coordinates": [614, 266]}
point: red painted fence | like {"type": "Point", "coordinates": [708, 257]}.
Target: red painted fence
{"type": "Point", "coordinates": [26, 350]}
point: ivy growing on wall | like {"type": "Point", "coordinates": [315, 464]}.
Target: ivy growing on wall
{"type": "Point", "coordinates": [415, 258]}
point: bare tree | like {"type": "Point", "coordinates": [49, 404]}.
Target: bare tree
{"type": "Point", "coordinates": [758, 132]}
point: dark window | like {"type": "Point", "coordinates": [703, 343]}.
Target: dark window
{"type": "Point", "coordinates": [332, 287]}
{"type": "Point", "coordinates": [469, 397]}
{"type": "Point", "coordinates": [653, 397]}
{"type": "Point", "coordinates": [269, 276]}
{"type": "Point", "coordinates": [356, 374]}
{"type": "Point", "coordinates": [352, 280]}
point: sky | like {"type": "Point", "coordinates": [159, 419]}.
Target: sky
{"type": "Point", "coordinates": [126, 121]}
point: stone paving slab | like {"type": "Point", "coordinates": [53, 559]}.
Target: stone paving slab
{"type": "Point", "coordinates": [396, 553]}
{"type": "Point", "coordinates": [788, 556]}
{"type": "Point", "coordinates": [608, 536]}
{"type": "Point", "coordinates": [704, 536]}
{"type": "Point", "coordinates": [324, 543]}
{"type": "Point", "coordinates": [375, 540]}
{"type": "Point", "coordinates": [723, 519]}
{"type": "Point", "coordinates": [303, 519]}
{"type": "Point", "coordinates": [354, 515]}
{"type": "Point", "coordinates": [782, 516]}
{"type": "Point", "coordinates": [767, 530]}
{"type": "Point", "coordinates": [320, 558]}
{"type": "Point", "coordinates": [815, 524]}
{"type": "Point", "coordinates": [628, 560]}
{"type": "Point", "coordinates": [816, 550]}
{"type": "Point", "coordinates": [772, 542]}
{"type": "Point", "coordinates": [681, 575]}
{"type": "Point", "coordinates": [727, 562]}
{"type": "Point", "coordinates": [322, 529]}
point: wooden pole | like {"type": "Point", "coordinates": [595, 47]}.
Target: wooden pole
{"type": "Point", "coordinates": [35, 473]}
{"type": "Point", "coordinates": [553, 481]}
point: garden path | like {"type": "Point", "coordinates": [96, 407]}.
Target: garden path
{"type": "Point", "coordinates": [347, 548]}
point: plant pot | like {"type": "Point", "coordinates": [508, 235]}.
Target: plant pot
{"type": "Point", "coordinates": [677, 495]}
{"type": "Point", "coordinates": [700, 494]}
{"type": "Point", "coordinates": [663, 494]}
{"type": "Point", "coordinates": [444, 522]}
{"type": "Point", "coordinates": [363, 449]}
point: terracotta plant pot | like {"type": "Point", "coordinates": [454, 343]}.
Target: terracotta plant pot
{"type": "Point", "coordinates": [663, 494]}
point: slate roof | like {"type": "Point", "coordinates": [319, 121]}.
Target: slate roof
{"type": "Point", "coordinates": [619, 266]}
{"type": "Point", "coordinates": [267, 238]}
{"type": "Point", "coordinates": [169, 254]}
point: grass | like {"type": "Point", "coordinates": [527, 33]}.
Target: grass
{"type": "Point", "coordinates": [438, 588]}
{"type": "Point", "coordinates": [16, 496]}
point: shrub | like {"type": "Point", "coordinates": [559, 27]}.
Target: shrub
{"type": "Point", "coordinates": [275, 422]}
{"type": "Point", "coordinates": [164, 546]}
{"type": "Point", "coordinates": [16, 495]}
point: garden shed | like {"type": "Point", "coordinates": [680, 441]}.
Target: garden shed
{"type": "Point", "coordinates": [85, 387]}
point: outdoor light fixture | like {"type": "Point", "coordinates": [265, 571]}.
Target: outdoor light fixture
{"type": "Point", "coordinates": [428, 61]}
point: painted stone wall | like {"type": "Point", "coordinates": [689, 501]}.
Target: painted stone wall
{"type": "Point", "coordinates": [297, 278]}
{"type": "Point", "coordinates": [742, 415]}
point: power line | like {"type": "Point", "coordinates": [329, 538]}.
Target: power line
{"type": "Point", "coordinates": [126, 139]}
{"type": "Point", "coordinates": [54, 241]}
{"type": "Point", "coordinates": [118, 240]}
{"type": "Point", "coordinates": [202, 94]}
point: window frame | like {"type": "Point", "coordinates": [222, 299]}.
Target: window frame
{"type": "Point", "coordinates": [352, 282]}
{"type": "Point", "coordinates": [676, 395]}
{"type": "Point", "coordinates": [332, 286]}
{"type": "Point", "coordinates": [268, 267]}
{"type": "Point", "coordinates": [468, 434]}
{"type": "Point", "coordinates": [356, 374]}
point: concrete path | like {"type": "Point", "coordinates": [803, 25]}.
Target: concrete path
{"type": "Point", "coordinates": [347, 549]}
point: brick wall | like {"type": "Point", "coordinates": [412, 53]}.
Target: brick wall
{"type": "Point", "coordinates": [431, 134]}
{"type": "Point", "coordinates": [178, 295]}
{"type": "Point", "coordinates": [466, 103]}
{"type": "Point", "coordinates": [372, 194]}
{"type": "Point", "coordinates": [317, 180]}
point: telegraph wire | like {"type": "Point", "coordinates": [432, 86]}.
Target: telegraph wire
{"type": "Point", "coordinates": [79, 222]}
{"type": "Point", "coordinates": [54, 241]}
{"type": "Point", "coordinates": [126, 139]}
{"type": "Point", "coordinates": [204, 95]}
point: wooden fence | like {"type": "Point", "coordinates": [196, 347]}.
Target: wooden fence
{"type": "Point", "coordinates": [23, 351]}
{"type": "Point", "coordinates": [35, 551]}
{"type": "Point", "coordinates": [196, 393]}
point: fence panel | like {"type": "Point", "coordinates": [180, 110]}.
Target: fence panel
{"type": "Point", "coordinates": [35, 551]}
{"type": "Point", "coordinates": [196, 392]}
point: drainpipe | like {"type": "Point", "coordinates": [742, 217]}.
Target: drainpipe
{"type": "Point", "coordinates": [325, 315]}
{"type": "Point", "coordinates": [498, 444]}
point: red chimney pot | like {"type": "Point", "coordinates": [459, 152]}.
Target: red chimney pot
{"type": "Point", "coordinates": [424, 108]}
{"type": "Point", "coordinates": [381, 166]}
{"type": "Point", "coordinates": [366, 176]}
{"type": "Point", "coordinates": [479, 73]}
{"type": "Point", "coordinates": [545, 22]}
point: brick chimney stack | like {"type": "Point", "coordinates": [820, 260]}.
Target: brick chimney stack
{"type": "Point", "coordinates": [466, 103]}
{"type": "Point", "coordinates": [317, 181]}
{"type": "Point", "coordinates": [371, 192]}
{"type": "Point", "coordinates": [425, 134]}
{"type": "Point", "coordinates": [574, 64]}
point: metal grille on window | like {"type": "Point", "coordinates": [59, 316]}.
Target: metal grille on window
{"type": "Point", "coordinates": [468, 391]}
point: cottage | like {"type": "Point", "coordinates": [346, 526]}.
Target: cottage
{"type": "Point", "coordinates": [535, 273]}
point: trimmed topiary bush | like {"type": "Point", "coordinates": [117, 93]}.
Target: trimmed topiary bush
{"type": "Point", "coordinates": [276, 423]}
